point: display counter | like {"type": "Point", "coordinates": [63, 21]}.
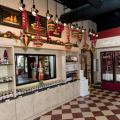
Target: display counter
{"type": "Point", "coordinates": [28, 101]}
{"type": "Point", "coordinates": [27, 106]}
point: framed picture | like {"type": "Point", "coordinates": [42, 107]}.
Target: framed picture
{"type": "Point", "coordinates": [10, 17]}
{"type": "Point", "coordinates": [43, 24]}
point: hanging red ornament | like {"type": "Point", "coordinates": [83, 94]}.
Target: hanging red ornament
{"type": "Point", "coordinates": [93, 37]}
{"type": "Point", "coordinates": [5, 55]}
{"type": "Point", "coordinates": [24, 20]}
{"type": "Point", "coordinates": [58, 29]}
{"type": "Point", "coordinates": [24, 37]}
{"type": "Point", "coordinates": [37, 41]}
{"type": "Point", "coordinates": [74, 33]}
{"type": "Point", "coordinates": [68, 45]}
{"type": "Point", "coordinates": [77, 33]}
{"type": "Point", "coordinates": [50, 27]}
{"type": "Point", "coordinates": [80, 34]}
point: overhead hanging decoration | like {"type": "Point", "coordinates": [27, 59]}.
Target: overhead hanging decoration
{"type": "Point", "coordinates": [50, 27]}
{"type": "Point", "coordinates": [24, 37]}
{"type": "Point", "coordinates": [24, 20]}
{"type": "Point", "coordinates": [85, 45]}
{"type": "Point", "coordinates": [76, 32]}
{"type": "Point", "coordinates": [93, 37]}
{"type": "Point", "coordinates": [50, 24]}
{"type": "Point", "coordinates": [80, 35]}
{"type": "Point", "coordinates": [59, 27]}
{"type": "Point", "coordinates": [37, 40]}
{"type": "Point", "coordinates": [68, 45]}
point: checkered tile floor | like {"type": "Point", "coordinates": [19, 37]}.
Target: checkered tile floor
{"type": "Point", "coordinates": [99, 105]}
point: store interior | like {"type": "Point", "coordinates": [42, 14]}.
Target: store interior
{"type": "Point", "coordinates": [59, 60]}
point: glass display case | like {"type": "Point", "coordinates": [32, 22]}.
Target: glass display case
{"type": "Point", "coordinates": [117, 66]}
{"type": "Point", "coordinates": [107, 66]}
{"type": "Point", "coordinates": [110, 70]}
{"type": "Point", "coordinates": [71, 66]}
{"type": "Point", "coordinates": [32, 68]}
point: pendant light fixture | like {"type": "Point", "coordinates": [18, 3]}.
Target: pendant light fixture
{"type": "Point", "coordinates": [90, 27]}
{"type": "Point", "coordinates": [56, 16]}
{"type": "Point", "coordinates": [48, 16]}
{"type": "Point", "coordinates": [21, 5]}
{"type": "Point", "coordinates": [64, 13]}
{"type": "Point", "coordinates": [34, 10]}
{"type": "Point", "coordinates": [77, 27]}
{"type": "Point", "coordinates": [72, 26]}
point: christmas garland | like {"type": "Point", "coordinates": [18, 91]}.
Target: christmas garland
{"type": "Point", "coordinates": [8, 34]}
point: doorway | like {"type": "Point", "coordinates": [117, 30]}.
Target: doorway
{"type": "Point", "coordinates": [87, 65]}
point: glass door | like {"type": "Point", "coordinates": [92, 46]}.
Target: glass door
{"type": "Point", "coordinates": [107, 66]}
{"type": "Point", "coordinates": [117, 66]}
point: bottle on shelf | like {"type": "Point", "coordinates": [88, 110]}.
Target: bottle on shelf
{"type": "Point", "coordinates": [5, 56]}
{"type": "Point", "coordinates": [34, 74]}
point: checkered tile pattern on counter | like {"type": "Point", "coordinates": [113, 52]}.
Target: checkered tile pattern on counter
{"type": "Point", "coordinates": [99, 105]}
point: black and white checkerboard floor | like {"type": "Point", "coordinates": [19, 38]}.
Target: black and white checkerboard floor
{"type": "Point", "coordinates": [99, 105]}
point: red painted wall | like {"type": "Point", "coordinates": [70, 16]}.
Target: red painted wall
{"type": "Point", "coordinates": [109, 33]}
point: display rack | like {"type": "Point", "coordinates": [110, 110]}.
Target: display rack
{"type": "Point", "coordinates": [72, 66]}
{"type": "Point", "coordinates": [7, 76]}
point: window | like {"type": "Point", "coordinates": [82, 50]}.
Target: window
{"type": "Point", "coordinates": [32, 68]}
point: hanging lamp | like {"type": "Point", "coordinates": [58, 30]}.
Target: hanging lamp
{"type": "Point", "coordinates": [56, 16]}
{"type": "Point", "coordinates": [65, 24]}
{"type": "Point", "coordinates": [34, 11]}
{"type": "Point", "coordinates": [48, 16]}
{"type": "Point", "coordinates": [21, 5]}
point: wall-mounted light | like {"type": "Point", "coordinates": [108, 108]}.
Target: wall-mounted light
{"type": "Point", "coordinates": [34, 10]}
{"type": "Point", "coordinates": [21, 5]}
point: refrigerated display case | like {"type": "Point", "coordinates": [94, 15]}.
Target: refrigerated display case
{"type": "Point", "coordinates": [117, 66]}
{"type": "Point", "coordinates": [110, 70]}
{"type": "Point", "coordinates": [107, 66]}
